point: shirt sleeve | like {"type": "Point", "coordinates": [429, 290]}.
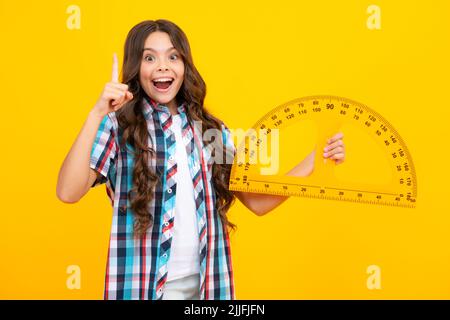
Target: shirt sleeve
{"type": "Point", "coordinates": [103, 151]}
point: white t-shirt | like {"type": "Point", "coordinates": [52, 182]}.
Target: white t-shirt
{"type": "Point", "coordinates": [184, 257]}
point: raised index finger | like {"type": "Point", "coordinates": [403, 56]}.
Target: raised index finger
{"type": "Point", "coordinates": [115, 69]}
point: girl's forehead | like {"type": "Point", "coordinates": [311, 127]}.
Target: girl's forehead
{"type": "Point", "coordinates": [158, 40]}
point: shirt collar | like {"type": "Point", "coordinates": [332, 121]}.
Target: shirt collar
{"type": "Point", "coordinates": [150, 105]}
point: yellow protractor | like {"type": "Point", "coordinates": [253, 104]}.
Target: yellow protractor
{"type": "Point", "coordinates": [378, 168]}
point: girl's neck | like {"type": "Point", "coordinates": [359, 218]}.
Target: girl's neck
{"type": "Point", "coordinates": [173, 107]}
{"type": "Point", "coordinates": [173, 111]}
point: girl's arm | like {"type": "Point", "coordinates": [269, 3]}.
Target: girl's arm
{"type": "Point", "coordinates": [260, 204]}
{"type": "Point", "coordinates": [75, 176]}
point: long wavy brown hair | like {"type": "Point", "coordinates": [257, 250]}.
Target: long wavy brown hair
{"type": "Point", "coordinates": [133, 124]}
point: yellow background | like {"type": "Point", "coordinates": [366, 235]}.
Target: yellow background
{"type": "Point", "coordinates": [253, 56]}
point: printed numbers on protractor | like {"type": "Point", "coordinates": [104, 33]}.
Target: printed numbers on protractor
{"type": "Point", "coordinates": [378, 168]}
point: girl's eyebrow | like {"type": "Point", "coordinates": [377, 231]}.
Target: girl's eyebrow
{"type": "Point", "coordinates": [151, 49]}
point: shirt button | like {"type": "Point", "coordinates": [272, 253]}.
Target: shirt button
{"type": "Point", "coordinates": [166, 224]}
{"type": "Point", "coordinates": [169, 191]}
{"type": "Point", "coordinates": [171, 158]}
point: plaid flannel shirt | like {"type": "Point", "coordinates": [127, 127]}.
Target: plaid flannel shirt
{"type": "Point", "coordinates": [137, 268]}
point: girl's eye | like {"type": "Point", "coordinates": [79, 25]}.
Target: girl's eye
{"type": "Point", "coordinates": [150, 58]}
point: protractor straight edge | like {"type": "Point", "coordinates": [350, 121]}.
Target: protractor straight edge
{"type": "Point", "coordinates": [329, 113]}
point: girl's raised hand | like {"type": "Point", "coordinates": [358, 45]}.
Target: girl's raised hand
{"type": "Point", "coordinates": [114, 95]}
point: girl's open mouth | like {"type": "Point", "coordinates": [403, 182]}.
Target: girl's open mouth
{"type": "Point", "coordinates": [162, 86]}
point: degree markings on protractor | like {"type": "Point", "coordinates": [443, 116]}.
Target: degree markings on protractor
{"type": "Point", "coordinates": [329, 113]}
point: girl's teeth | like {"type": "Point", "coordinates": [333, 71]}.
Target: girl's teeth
{"type": "Point", "coordinates": [163, 80]}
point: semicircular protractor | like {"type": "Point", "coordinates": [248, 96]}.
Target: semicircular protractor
{"type": "Point", "coordinates": [378, 168]}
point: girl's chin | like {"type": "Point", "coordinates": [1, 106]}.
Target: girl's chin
{"type": "Point", "coordinates": [159, 99]}
{"type": "Point", "coordinates": [162, 98]}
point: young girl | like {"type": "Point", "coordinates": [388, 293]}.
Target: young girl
{"type": "Point", "coordinates": [143, 138]}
